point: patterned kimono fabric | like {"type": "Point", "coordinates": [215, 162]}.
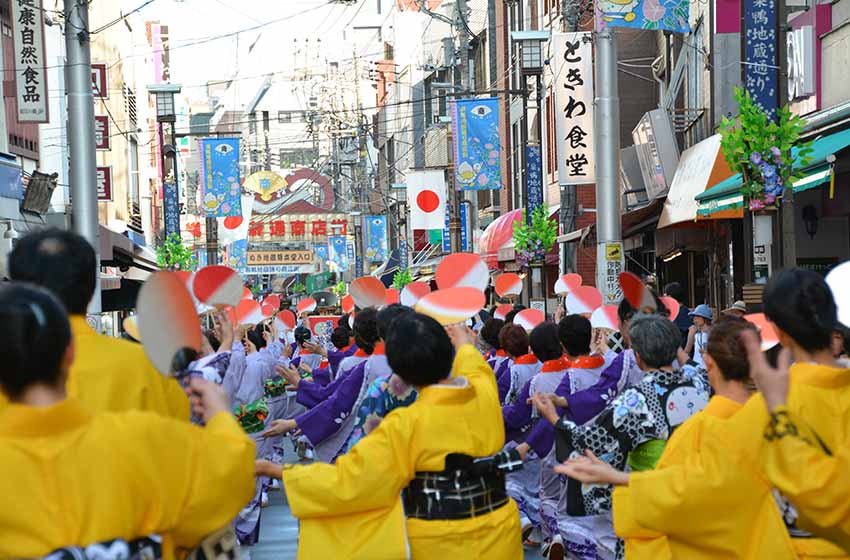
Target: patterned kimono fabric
{"type": "Point", "coordinates": [645, 413]}
{"type": "Point", "coordinates": [382, 397]}
{"type": "Point", "coordinates": [520, 372]}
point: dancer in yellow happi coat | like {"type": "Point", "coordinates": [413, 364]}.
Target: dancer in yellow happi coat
{"type": "Point", "coordinates": [371, 504]}
{"type": "Point", "coordinates": [73, 478]}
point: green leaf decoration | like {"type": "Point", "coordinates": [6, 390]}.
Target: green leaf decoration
{"type": "Point", "coordinates": [174, 255]}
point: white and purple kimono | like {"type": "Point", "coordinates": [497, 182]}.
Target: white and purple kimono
{"type": "Point", "coordinates": [311, 393]}
{"type": "Point", "coordinates": [328, 425]}
{"type": "Point", "coordinates": [301, 356]}
{"type": "Point", "coordinates": [503, 377]}
{"type": "Point", "coordinates": [524, 485]}
{"type": "Point", "coordinates": [520, 372]}
{"type": "Point", "coordinates": [621, 372]}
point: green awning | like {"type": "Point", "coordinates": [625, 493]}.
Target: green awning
{"type": "Point", "coordinates": [726, 194]}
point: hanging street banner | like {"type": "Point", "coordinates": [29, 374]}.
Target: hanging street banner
{"type": "Point", "coordinates": [321, 251]}
{"type": "Point", "coordinates": [464, 234]}
{"type": "Point", "coordinates": [426, 198]}
{"type": "Point", "coordinates": [337, 253]}
{"type": "Point", "coordinates": [280, 257]}
{"type": "Point", "coordinates": [376, 239]}
{"type": "Point", "coordinates": [101, 132]}
{"type": "Point", "coordinates": [761, 73]}
{"type": "Point", "coordinates": [670, 15]}
{"type": "Point", "coordinates": [477, 151]}
{"type": "Point", "coordinates": [30, 75]}
{"type": "Point", "coordinates": [219, 176]}
{"type": "Point", "coordinates": [573, 85]}
{"type": "Point", "coordinates": [534, 180]}
{"type": "Point", "coordinates": [171, 209]}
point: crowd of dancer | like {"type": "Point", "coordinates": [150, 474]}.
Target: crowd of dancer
{"type": "Point", "coordinates": [673, 437]}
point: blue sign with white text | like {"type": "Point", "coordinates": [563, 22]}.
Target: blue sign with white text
{"type": "Point", "coordinates": [761, 73]}
{"type": "Point", "coordinates": [534, 179]}
{"type": "Point", "coordinates": [219, 177]}
{"type": "Point", "coordinates": [171, 209]}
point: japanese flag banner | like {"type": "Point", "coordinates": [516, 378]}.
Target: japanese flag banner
{"type": "Point", "coordinates": [235, 228]}
{"type": "Point", "coordinates": [426, 196]}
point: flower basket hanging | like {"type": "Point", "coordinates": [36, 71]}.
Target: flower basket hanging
{"type": "Point", "coordinates": [533, 241]}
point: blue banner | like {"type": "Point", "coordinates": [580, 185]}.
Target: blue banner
{"type": "Point", "coordinates": [321, 252]}
{"type": "Point", "coordinates": [358, 266]}
{"type": "Point", "coordinates": [761, 75]}
{"type": "Point", "coordinates": [236, 254]}
{"type": "Point", "coordinates": [376, 239]}
{"type": "Point", "coordinates": [670, 15]}
{"type": "Point", "coordinates": [447, 232]}
{"type": "Point", "coordinates": [337, 253]}
{"type": "Point", "coordinates": [464, 230]}
{"type": "Point", "coordinates": [402, 254]}
{"type": "Point", "coordinates": [201, 256]}
{"type": "Point", "coordinates": [219, 177]}
{"type": "Point", "coordinates": [534, 179]}
{"type": "Point", "coordinates": [477, 151]}
{"type": "Point", "coordinates": [171, 209]}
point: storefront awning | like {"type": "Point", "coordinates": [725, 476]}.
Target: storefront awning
{"type": "Point", "coordinates": [727, 194]}
{"type": "Point", "coordinates": [700, 166]}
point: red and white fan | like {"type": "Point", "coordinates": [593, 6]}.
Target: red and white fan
{"type": "Point", "coordinates": [413, 292]}
{"type": "Point", "coordinates": [368, 291]}
{"type": "Point", "coordinates": [285, 321]}
{"type": "Point", "coordinates": [249, 312]}
{"type": "Point", "coordinates": [838, 280]}
{"type": "Point", "coordinates": [502, 311]}
{"type": "Point", "coordinates": [273, 300]}
{"type": "Point", "coordinates": [605, 317]}
{"type": "Point", "coordinates": [268, 310]}
{"type": "Point", "coordinates": [131, 327]}
{"type": "Point", "coordinates": [461, 270]}
{"type": "Point", "coordinates": [392, 296]}
{"type": "Point", "coordinates": [529, 318]}
{"type": "Point", "coordinates": [347, 304]}
{"type": "Point", "coordinates": [218, 285]}
{"type": "Point", "coordinates": [168, 323]}
{"type": "Point", "coordinates": [769, 337]}
{"type": "Point", "coordinates": [508, 285]}
{"type": "Point", "coordinates": [247, 294]}
{"type": "Point", "coordinates": [567, 283]}
{"type": "Point", "coordinates": [452, 305]}
{"type": "Point", "coordinates": [306, 305]}
{"type": "Point", "coordinates": [636, 293]}
{"type": "Point", "coordinates": [583, 300]}
{"type": "Point", "coordinates": [672, 306]}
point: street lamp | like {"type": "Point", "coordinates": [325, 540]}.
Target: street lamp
{"type": "Point", "coordinates": [166, 113]}
{"type": "Point", "coordinates": [531, 50]}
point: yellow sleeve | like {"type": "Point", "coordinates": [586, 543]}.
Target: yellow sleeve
{"type": "Point", "coordinates": [625, 524]}
{"type": "Point", "coordinates": [370, 476]}
{"type": "Point", "coordinates": [200, 477]}
{"type": "Point", "coordinates": [816, 483]}
{"type": "Point", "coordinates": [176, 401]}
{"type": "Point", "coordinates": [470, 363]}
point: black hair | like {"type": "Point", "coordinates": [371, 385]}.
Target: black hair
{"type": "Point", "coordinates": [574, 333]}
{"type": "Point", "coordinates": [366, 329]}
{"type": "Point", "coordinates": [800, 303]}
{"type": "Point", "coordinates": [490, 332]}
{"type": "Point", "coordinates": [343, 321]}
{"type": "Point", "coordinates": [341, 337]}
{"type": "Point", "coordinates": [215, 343]}
{"type": "Point", "coordinates": [514, 340]}
{"type": "Point", "coordinates": [59, 260]}
{"type": "Point", "coordinates": [509, 317]}
{"type": "Point", "coordinates": [34, 336]}
{"type": "Point", "coordinates": [544, 342]}
{"type": "Point", "coordinates": [255, 335]}
{"type": "Point", "coordinates": [301, 334]}
{"type": "Point", "coordinates": [726, 348]}
{"type": "Point", "coordinates": [419, 350]}
{"type": "Point", "coordinates": [675, 291]}
{"type": "Point", "coordinates": [387, 317]}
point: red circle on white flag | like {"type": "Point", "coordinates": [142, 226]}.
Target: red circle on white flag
{"type": "Point", "coordinates": [233, 222]}
{"type": "Point", "coordinates": [428, 201]}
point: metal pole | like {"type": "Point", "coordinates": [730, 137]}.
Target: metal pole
{"type": "Point", "coordinates": [609, 245]}
{"type": "Point", "coordinates": [81, 136]}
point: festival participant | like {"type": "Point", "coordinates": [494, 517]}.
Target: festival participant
{"type": "Point", "coordinates": [698, 333]}
{"type": "Point", "coordinates": [352, 509]}
{"type": "Point", "coordinates": [382, 397]}
{"type": "Point", "coordinates": [77, 478]}
{"type": "Point", "coordinates": [634, 427]}
{"type": "Point", "coordinates": [302, 353]}
{"type": "Point", "coordinates": [737, 309]}
{"type": "Point", "coordinates": [108, 374]}
{"type": "Point", "coordinates": [329, 424]}
{"type": "Point", "coordinates": [683, 319]}
{"type": "Point", "coordinates": [342, 340]}
{"type": "Point", "coordinates": [519, 367]}
{"type": "Point", "coordinates": [677, 500]}
{"type": "Point", "coordinates": [489, 337]}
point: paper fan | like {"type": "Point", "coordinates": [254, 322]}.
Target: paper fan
{"type": "Point", "coordinates": [508, 284]}
{"type": "Point", "coordinates": [217, 285]}
{"type": "Point", "coordinates": [347, 304]}
{"type": "Point", "coordinates": [392, 296]}
{"type": "Point", "coordinates": [769, 338]}
{"type": "Point", "coordinates": [268, 310]}
{"type": "Point", "coordinates": [605, 317]}
{"type": "Point", "coordinates": [285, 321]}
{"type": "Point", "coordinates": [368, 291]}
{"type": "Point", "coordinates": [567, 283]}
{"type": "Point", "coordinates": [672, 306]}
{"type": "Point", "coordinates": [273, 300]}
{"type": "Point", "coordinates": [306, 305]}
{"type": "Point", "coordinates": [583, 300]}
{"type": "Point", "coordinates": [131, 327]}
{"type": "Point", "coordinates": [502, 311]}
{"type": "Point", "coordinates": [529, 318]}
{"type": "Point", "coordinates": [462, 270]}
{"type": "Point", "coordinates": [248, 312]}
{"type": "Point", "coordinates": [636, 292]}
{"type": "Point", "coordinates": [413, 292]}
{"type": "Point", "coordinates": [838, 280]}
{"type": "Point", "coordinates": [247, 294]}
{"type": "Point", "coordinates": [452, 305]}
{"type": "Point", "coordinates": [168, 324]}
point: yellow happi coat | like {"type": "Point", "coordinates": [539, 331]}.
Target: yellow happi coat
{"type": "Point", "coordinates": [71, 478]}
{"type": "Point", "coordinates": [706, 498]}
{"type": "Point", "coordinates": [113, 375]}
{"type": "Point", "coordinates": [673, 511]}
{"type": "Point", "coordinates": [353, 509]}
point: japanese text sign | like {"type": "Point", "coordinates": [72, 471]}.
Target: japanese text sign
{"type": "Point", "coordinates": [573, 83]}
{"type": "Point", "coordinates": [30, 75]}
{"type": "Point", "coordinates": [761, 74]}
{"type": "Point", "coordinates": [99, 83]}
{"type": "Point", "coordinates": [280, 257]}
{"type": "Point", "coordinates": [101, 132]}
{"type": "Point", "coordinates": [104, 184]}
{"type": "Point", "coordinates": [534, 180]}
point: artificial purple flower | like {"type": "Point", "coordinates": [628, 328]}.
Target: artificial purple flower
{"type": "Point", "coordinates": [769, 198]}
{"type": "Point", "coordinates": [767, 171]}
{"type": "Point", "coordinates": [756, 204]}
{"type": "Point", "coordinates": [756, 158]}
{"type": "Point", "coordinates": [777, 155]}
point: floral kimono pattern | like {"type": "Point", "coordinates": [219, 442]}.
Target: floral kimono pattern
{"type": "Point", "coordinates": [383, 396]}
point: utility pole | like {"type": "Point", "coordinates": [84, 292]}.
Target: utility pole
{"type": "Point", "coordinates": [81, 137]}
{"type": "Point", "coordinates": [609, 238]}
{"type": "Point", "coordinates": [470, 196]}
